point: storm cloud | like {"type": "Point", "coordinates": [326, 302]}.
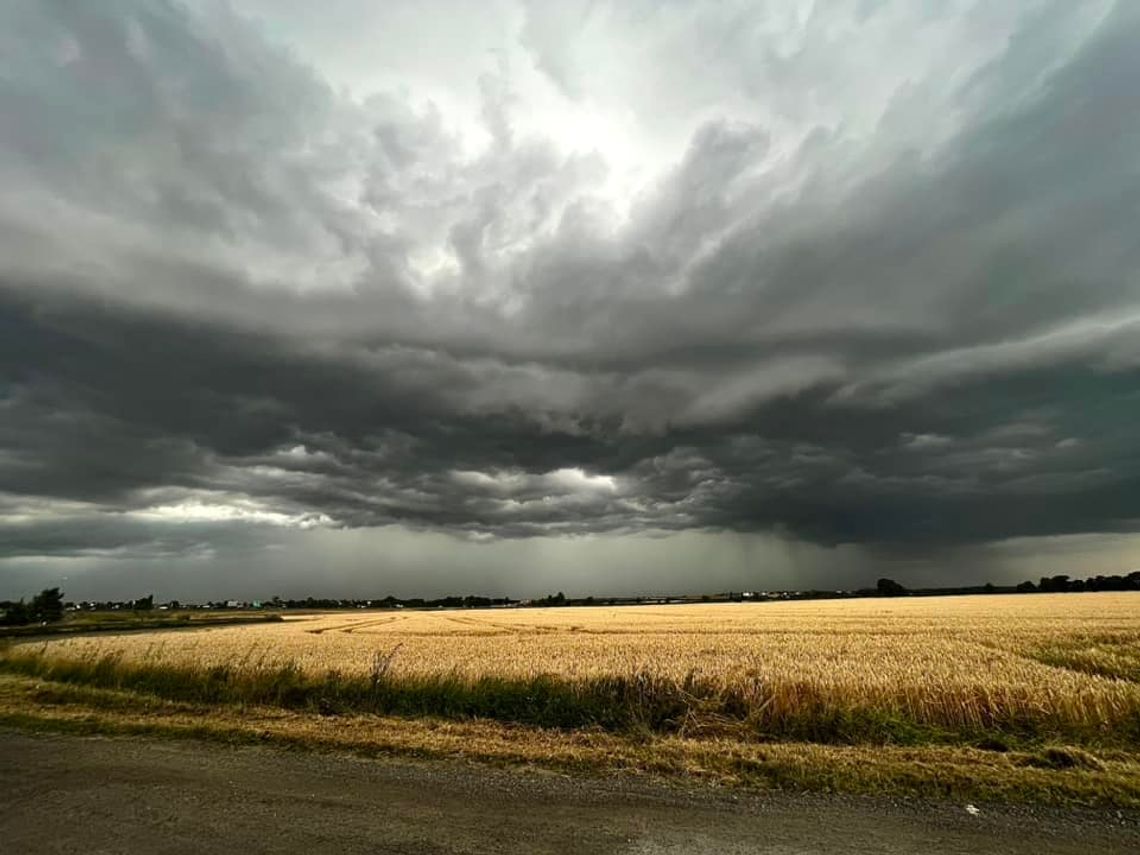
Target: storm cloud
{"type": "Point", "coordinates": [857, 274]}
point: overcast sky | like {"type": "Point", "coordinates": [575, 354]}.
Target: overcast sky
{"type": "Point", "coordinates": [350, 298]}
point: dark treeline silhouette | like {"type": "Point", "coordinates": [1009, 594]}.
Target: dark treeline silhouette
{"type": "Point", "coordinates": [48, 605]}
{"type": "Point", "coordinates": [45, 607]}
{"type": "Point", "coordinates": [1063, 584]}
{"type": "Point", "coordinates": [1059, 584]}
{"type": "Point", "coordinates": [889, 588]}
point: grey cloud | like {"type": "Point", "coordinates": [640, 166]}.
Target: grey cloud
{"type": "Point", "coordinates": [228, 284]}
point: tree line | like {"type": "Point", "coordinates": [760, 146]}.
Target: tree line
{"type": "Point", "coordinates": [45, 607]}
{"type": "Point", "coordinates": [1061, 583]}
{"type": "Point", "coordinates": [48, 605]}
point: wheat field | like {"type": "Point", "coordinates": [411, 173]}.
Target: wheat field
{"type": "Point", "coordinates": [1056, 663]}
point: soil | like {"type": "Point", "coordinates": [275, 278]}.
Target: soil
{"type": "Point", "coordinates": [90, 795]}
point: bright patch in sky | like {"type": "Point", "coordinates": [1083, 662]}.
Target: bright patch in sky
{"type": "Point", "coordinates": [244, 511]}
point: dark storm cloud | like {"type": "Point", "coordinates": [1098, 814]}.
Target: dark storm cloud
{"type": "Point", "coordinates": [232, 297]}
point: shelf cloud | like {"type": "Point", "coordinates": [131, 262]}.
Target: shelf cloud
{"type": "Point", "coordinates": [856, 276]}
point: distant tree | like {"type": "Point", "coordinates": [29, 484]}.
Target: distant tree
{"type": "Point", "coordinates": [1131, 582]}
{"type": "Point", "coordinates": [1026, 587]}
{"type": "Point", "coordinates": [988, 587]}
{"type": "Point", "coordinates": [15, 614]}
{"type": "Point", "coordinates": [144, 604]}
{"type": "Point", "coordinates": [47, 605]}
{"type": "Point", "coordinates": [889, 588]}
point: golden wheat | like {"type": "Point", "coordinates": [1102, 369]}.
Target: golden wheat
{"type": "Point", "coordinates": [962, 661]}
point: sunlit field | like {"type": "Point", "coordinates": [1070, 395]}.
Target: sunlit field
{"type": "Point", "coordinates": [838, 669]}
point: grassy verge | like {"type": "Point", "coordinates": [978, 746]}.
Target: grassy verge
{"type": "Point", "coordinates": [1060, 775]}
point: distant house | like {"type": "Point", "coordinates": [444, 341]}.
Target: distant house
{"type": "Point", "coordinates": [233, 604]}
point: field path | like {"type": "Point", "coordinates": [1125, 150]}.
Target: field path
{"type": "Point", "coordinates": [91, 795]}
{"type": "Point", "coordinates": [351, 626]}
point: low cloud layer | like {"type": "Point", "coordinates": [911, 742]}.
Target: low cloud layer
{"type": "Point", "coordinates": [864, 274]}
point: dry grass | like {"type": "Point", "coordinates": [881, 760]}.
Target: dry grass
{"type": "Point", "coordinates": [1043, 665]}
{"type": "Point", "coordinates": [1041, 776]}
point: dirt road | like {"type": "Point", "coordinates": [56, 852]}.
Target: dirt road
{"type": "Point", "coordinates": [101, 795]}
